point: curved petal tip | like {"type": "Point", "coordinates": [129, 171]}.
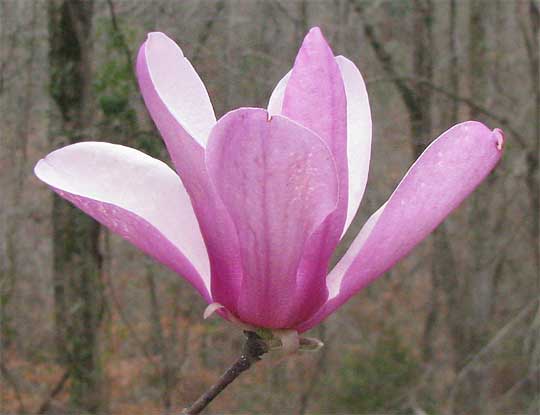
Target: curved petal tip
{"type": "Point", "coordinates": [315, 30]}
{"type": "Point", "coordinates": [211, 309]}
{"type": "Point", "coordinates": [151, 35]}
{"type": "Point", "coordinates": [165, 41]}
{"type": "Point", "coordinates": [314, 36]}
{"type": "Point", "coordinates": [499, 137]}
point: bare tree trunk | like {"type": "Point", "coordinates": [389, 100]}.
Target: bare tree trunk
{"type": "Point", "coordinates": [454, 60]}
{"type": "Point", "coordinates": [17, 148]}
{"type": "Point", "coordinates": [530, 25]}
{"type": "Point", "coordinates": [159, 343]}
{"type": "Point", "coordinates": [319, 368]}
{"type": "Point", "coordinates": [302, 21]}
{"type": "Point", "coordinates": [78, 288]}
{"type": "Point", "coordinates": [477, 52]}
{"type": "Point", "coordinates": [420, 113]}
{"type": "Point", "coordinates": [451, 283]}
{"type": "Point", "coordinates": [480, 280]}
{"type": "Point", "coordinates": [532, 40]}
{"type": "Point", "coordinates": [418, 100]}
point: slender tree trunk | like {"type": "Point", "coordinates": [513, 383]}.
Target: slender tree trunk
{"type": "Point", "coordinates": [302, 21]}
{"type": "Point", "coordinates": [531, 37]}
{"type": "Point", "coordinates": [480, 281]}
{"type": "Point", "coordinates": [159, 343]}
{"type": "Point", "coordinates": [78, 289]}
{"type": "Point", "coordinates": [320, 366]}
{"type": "Point", "coordinates": [421, 134]}
{"type": "Point", "coordinates": [454, 61]}
{"type": "Point", "coordinates": [418, 100]}
{"type": "Point", "coordinates": [420, 113]}
{"type": "Point", "coordinates": [17, 148]}
{"type": "Point", "coordinates": [533, 171]}
{"type": "Point", "coordinates": [451, 283]}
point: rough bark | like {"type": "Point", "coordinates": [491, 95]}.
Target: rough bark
{"type": "Point", "coordinates": [420, 112]}
{"type": "Point", "coordinates": [78, 292]}
{"type": "Point", "coordinates": [532, 42]}
{"type": "Point", "coordinates": [159, 343]}
{"type": "Point", "coordinates": [418, 99]}
{"type": "Point", "coordinates": [17, 147]}
{"type": "Point", "coordinates": [480, 280]}
{"type": "Point", "coordinates": [531, 36]}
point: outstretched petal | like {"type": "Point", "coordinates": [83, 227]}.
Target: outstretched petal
{"type": "Point", "coordinates": [179, 105]}
{"type": "Point", "coordinates": [278, 181]}
{"type": "Point", "coordinates": [136, 196]}
{"type": "Point", "coordinates": [442, 177]}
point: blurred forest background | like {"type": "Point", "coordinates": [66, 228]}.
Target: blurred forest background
{"type": "Point", "coordinates": [90, 325]}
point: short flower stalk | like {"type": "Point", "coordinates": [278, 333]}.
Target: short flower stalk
{"type": "Point", "coordinates": [253, 349]}
{"type": "Point", "coordinates": [258, 343]}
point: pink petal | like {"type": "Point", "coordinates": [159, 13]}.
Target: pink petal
{"type": "Point", "coordinates": [137, 197]}
{"type": "Point", "coordinates": [278, 181]}
{"type": "Point", "coordinates": [181, 109]}
{"type": "Point", "coordinates": [442, 177]}
{"type": "Point", "coordinates": [358, 129]}
{"type": "Point", "coordinates": [315, 97]}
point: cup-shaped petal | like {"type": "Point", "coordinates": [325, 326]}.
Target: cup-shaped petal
{"type": "Point", "coordinates": [442, 177]}
{"type": "Point", "coordinates": [137, 197]}
{"type": "Point", "coordinates": [278, 181]}
{"type": "Point", "coordinates": [315, 97]}
{"type": "Point", "coordinates": [358, 129]}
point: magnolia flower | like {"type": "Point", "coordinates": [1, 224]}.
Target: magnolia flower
{"type": "Point", "coordinates": [261, 197]}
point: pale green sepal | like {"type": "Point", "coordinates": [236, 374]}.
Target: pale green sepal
{"type": "Point", "coordinates": [310, 344]}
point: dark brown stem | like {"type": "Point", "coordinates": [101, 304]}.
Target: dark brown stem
{"type": "Point", "coordinates": [252, 351]}
{"type": "Point", "coordinates": [44, 407]}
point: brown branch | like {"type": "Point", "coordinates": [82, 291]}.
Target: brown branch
{"type": "Point", "coordinates": [10, 379]}
{"type": "Point", "coordinates": [252, 351]}
{"type": "Point", "coordinates": [205, 34]}
{"type": "Point", "coordinates": [499, 336]}
{"type": "Point", "coordinates": [120, 35]}
{"type": "Point", "coordinates": [504, 122]}
{"type": "Point", "coordinates": [44, 407]}
{"type": "Point", "coordinates": [385, 58]}
{"type": "Point", "coordinates": [408, 95]}
{"type": "Point", "coordinates": [129, 326]}
{"type": "Point", "coordinates": [516, 387]}
{"type": "Point", "coordinates": [286, 13]}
